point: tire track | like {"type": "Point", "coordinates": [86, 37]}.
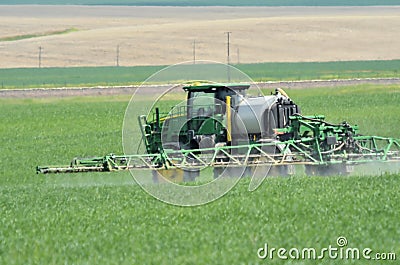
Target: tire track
{"type": "Point", "coordinates": [151, 89]}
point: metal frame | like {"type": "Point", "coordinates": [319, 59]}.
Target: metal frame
{"type": "Point", "coordinates": [291, 152]}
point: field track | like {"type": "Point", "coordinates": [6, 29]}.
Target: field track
{"type": "Point", "coordinates": [129, 90]}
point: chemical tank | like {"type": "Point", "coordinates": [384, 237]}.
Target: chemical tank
{"type": "Point", "coordinates": [257, 117]}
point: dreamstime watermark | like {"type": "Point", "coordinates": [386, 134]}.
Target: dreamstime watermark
{"type": "Point", "coordinates": [340, 250]}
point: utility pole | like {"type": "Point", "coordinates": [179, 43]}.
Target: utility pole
{"type": "Point", "coordinates": [228, 35]}
{"type": "Point", "coordinates": [117, 55]}
{"type": "Point", "coordinates": [194, 51]}
{"type": "Point", "coordinates": [40, 56]}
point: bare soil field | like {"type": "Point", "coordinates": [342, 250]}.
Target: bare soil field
{"type": "Point", "coordinates": [165, 35]}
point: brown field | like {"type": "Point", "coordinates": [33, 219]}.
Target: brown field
{"type": "Point", "coordinates": [164, 35]}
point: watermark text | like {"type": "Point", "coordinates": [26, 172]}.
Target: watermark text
{"type": "Point", "coordinates": [338, 251]}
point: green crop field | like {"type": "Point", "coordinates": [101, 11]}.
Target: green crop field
{"type": "Point", "coordinates": [97, 76]}
{"type": "Point", "coordinates": [104, 218]}
{"type": "Point", "coordinates": [211, 3]}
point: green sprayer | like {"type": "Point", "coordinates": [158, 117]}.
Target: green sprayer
{"type": "Point", "coordinates": [222, 127]}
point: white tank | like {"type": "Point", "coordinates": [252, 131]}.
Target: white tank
{"type": "Point", "coordinates": [256, 115]}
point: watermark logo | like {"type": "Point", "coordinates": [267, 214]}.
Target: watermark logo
{"type": "Point", "coordinates": [339, 251]}
{"type": "Point", "coordinates": [341, 241]}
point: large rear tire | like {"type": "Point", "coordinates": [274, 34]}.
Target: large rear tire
{"type": "Point", "coordinates": [163, 175]}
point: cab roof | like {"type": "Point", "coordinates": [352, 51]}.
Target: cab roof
{"type": "Point", "coordinates": [215, 86]}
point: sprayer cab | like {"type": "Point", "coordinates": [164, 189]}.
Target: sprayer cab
{"type": "Point", "coordinates": [212, 97]}
{"type": "Point", "coordinates": [208, 113]}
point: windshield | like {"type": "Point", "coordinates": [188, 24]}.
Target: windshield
{"type": "Point", "coordinates": [201, 104]}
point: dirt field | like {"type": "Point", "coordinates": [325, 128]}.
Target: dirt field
{"type": "Point", "coordinates": [165, 35]}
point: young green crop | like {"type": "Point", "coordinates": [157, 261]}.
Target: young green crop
{"type": "Point", "coordinates": [120, 224]}
{"type": "Point", "coordinates": [135, 75]}
{"type": "Point", "coordinates": [105, 218]}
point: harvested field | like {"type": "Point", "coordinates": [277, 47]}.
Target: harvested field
{"type": "Point", "coordinates": [165, 35]}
